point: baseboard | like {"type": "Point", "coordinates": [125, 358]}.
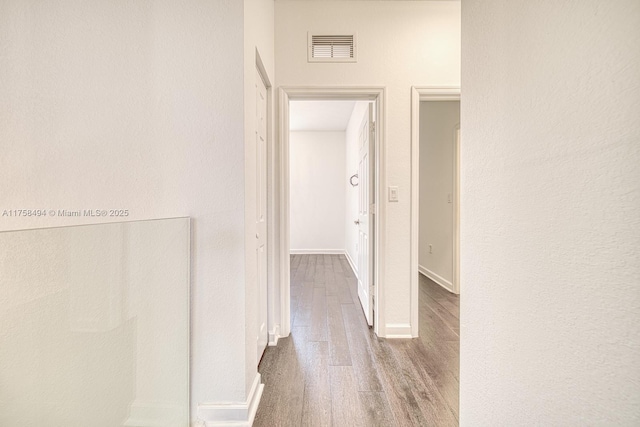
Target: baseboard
{"type": "Point", "coordinates": [274, 335]}
{"type": "Point", "coordinates": [436, 278]}
{"type": "Point", "coordinates": [351, 263]}
{"type": "Point", "coordinates": [398, 330]}
{"type": "Point", "coordinates": [316, 251]}
{"type": "Point", "coordinates": [232, 414]}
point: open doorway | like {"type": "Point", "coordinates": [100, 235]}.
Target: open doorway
{"type": "Point", "coordinates": [331, 160]}
{"type": "Point", "coordinates": [444, 185]}
{"type": "Point", "coordinates": [435, 241]}
{"type": "Point", "coordinates": [331, 157]}
{"type": "Point", "coordinates": [437, 198]}
{"type": "Point", "coordinates": [330, 182]}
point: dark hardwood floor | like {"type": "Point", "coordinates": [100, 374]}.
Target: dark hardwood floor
{"type": "Point", "coordinates": [333, 371]}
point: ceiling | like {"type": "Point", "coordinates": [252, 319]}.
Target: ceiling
{"type": "Point", "coordinates": [320, 115]}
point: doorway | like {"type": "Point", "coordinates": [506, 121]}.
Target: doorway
{"type": "Point", "coordinates": [439, 129]}
{"type": "Point", "coordinates": [368, 221]}
{"type": "Point", "coordinates": [435, 241]}
{"type": "Point", "coordinates": [435, 211]}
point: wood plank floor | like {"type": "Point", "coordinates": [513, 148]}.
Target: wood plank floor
{"type": "Point", "coordinates": [333, 371]}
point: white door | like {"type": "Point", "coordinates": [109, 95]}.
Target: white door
{"type": "Point", "coordinates": [366, 170]}
{"type": "Point", "coordinates": [261, 211]}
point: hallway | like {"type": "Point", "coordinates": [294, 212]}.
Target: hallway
{"type": "Point", "coordinates": [332, 370]}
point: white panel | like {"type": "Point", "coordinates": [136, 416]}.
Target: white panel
{"type": "Point", "coordinates": [94, 325]}
{"type": "Point", "coordinates": [352, 194]}
{"type": "Point", "coordinates": [365, 220]}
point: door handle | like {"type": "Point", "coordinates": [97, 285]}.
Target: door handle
{"type": "Point", "coordinates": [356, 222]}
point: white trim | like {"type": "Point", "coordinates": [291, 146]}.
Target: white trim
{"type": "Point", "coordinates": [398, 330]}
{"type": "Point", "coordinates": [232, 414]}
{"type": "Point", "coordinates": [351, 263]}
{"type": "Point", "coordinates": [273, 321]}
{"type": "Point", "coordinates": [377, 94]}
{"type": "Point", "coordinates": [436, 278]}
{"type": "Point", "coordinates": [285, 272]}
{"type": "Point", "coordinates": [456, 212]}
{"type": "Point", "coordinates": [316, 251]}
{"type": "Point", "coordinates": [274, 336]}
{"type": "Point", "coordinates": [418, 93]}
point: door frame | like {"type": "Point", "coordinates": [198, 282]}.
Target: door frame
{"type": "Point", "coordinates": [355, 93]}
{"type": "Point", "coordinates": [271, 218]}
{"type": "Point", "coordinates": [418, 94]}
{"type": "Point", "coordinates": [261, 75]}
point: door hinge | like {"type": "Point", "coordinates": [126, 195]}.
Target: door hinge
{"type": "Point", "coordinates": [372, 208]}
{"type": "Point", "coordinates": [372, 126]}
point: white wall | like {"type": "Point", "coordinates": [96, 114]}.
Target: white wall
{"type": "Point", "coordinates": [424, 38]}
{"type": "Point", "coordinates": [550, 268]}
{"type": "Point", "coordinates": [317, 191]}
{"type": "Point", "coordinates": [360, 109]}
{"type": "Point", "coordinates": [438, 123]}
{"type": "Point", "coordinates": [139, 106]}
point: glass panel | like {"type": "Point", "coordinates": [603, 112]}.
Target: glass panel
{"type": "Point", "coordinates": [94, 325]}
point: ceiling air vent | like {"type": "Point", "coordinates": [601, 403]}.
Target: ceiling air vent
{"type": "Point", "coordinates": [332, 48]}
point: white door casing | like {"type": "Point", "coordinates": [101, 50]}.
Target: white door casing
{"type": "Point", "coordinates": [456, 211]}
{"type": "Point", "coordinates": [377, 94]}
{"type": "Point", "coordinates": [366, 168]}
{"type": "Point", "coordinates": [261, 212]}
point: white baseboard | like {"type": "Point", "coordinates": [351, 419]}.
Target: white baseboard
{"type": "Point", "coordinates": [398, 330]}
{"type": "Point", "coordinates": [232, 414]}
{"type": "Point", "coordinates": [351, 263]}
{"type": "Point", "coordinates": [274, 335]}
{"type": "Point", "coordinates": [316, 251]}
{"type": "Point", "coordinates": [436, 278]}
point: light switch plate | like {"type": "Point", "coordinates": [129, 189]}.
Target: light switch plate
{"type": "Point", "coordinates": [393, 194]}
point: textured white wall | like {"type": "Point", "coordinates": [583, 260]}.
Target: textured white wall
{"type": "Point", "coordinates": [400, 44]}
{"type": "Point", "coordinates": [137, 105]}
{"type": "Point", "coordinates": [351, 203]}
{"type": "Point", "coordinates": [550, 224]}
{"type": "Point", "coordinates": [317, 191]}
{"type": "Point", "coordinates": [438, 122]}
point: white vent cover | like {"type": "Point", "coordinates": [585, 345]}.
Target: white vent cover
{"type": "Point", "coordinates": [331, 47]}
